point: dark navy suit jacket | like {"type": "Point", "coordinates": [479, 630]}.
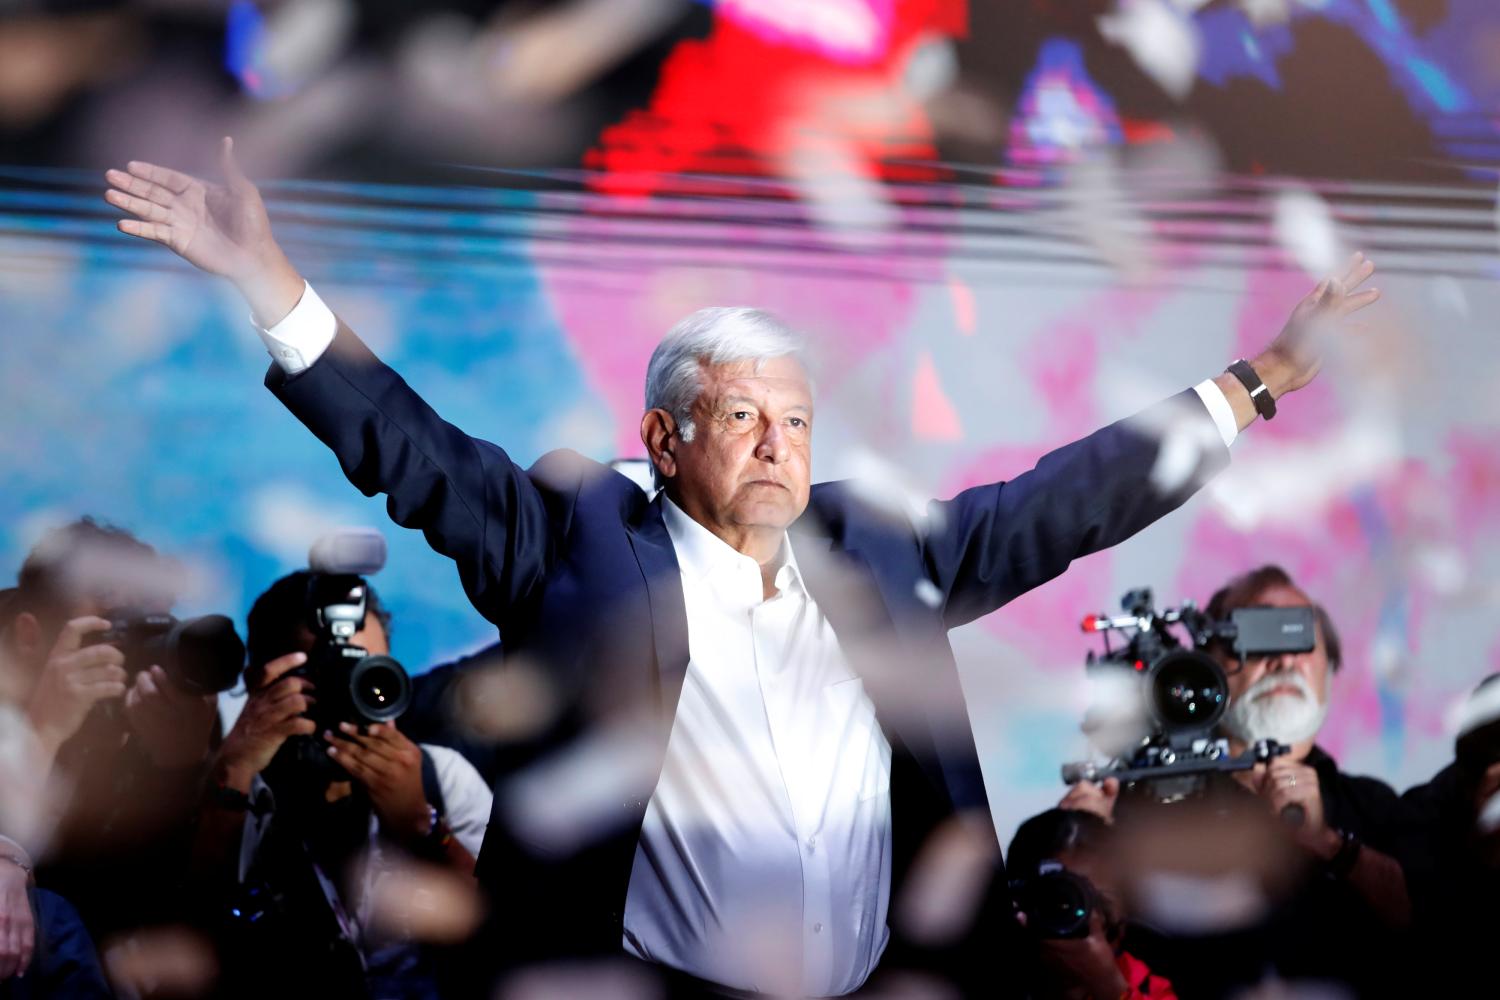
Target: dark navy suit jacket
{"type": "Point", "coordinates": [573, 564]}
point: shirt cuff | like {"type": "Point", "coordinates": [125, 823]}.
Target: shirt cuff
{"type": "Point", "coordinates": [301, 338]}
{"type": "Point", "coordinates": [1218, 407]}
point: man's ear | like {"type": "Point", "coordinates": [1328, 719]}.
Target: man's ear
{"type": "Point", "coordinates": [659, 435]}
{"type": "Point", "coordinates": [26, 635]}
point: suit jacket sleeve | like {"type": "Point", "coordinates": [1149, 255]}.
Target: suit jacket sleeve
{"type": "Point", "coordinates": [992, 543]}
{"type": "Point", "coordinates": [473, 504]}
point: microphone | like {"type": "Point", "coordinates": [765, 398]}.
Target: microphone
{"type": "Point", "coordinates": [348, 551]}
{"type": "Point", "coordinates": [1293, 816]}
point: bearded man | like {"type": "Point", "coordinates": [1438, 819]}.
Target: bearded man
{"type": "Point", "coordinates": [1348, 920]}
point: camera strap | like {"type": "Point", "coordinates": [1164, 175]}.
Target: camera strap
{"type": "Point", "coordinates": [431, 787]}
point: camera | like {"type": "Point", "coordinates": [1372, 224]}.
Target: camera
{"type": "Point", "coordinates": [1176, 693]}
{"type": "Point", "coordinates": [352, 684]}
{"type": "Point", "coordinates": [1056, 902]}
{"type": "Point", "coordinates": [201, 655]}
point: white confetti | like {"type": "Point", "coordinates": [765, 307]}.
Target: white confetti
{"type": "Point", "coordinates": [1162, 41]}
{"type": "Point", "coordinates": [1305, 229]}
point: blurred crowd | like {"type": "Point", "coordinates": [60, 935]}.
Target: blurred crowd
{"type": "Point", "coordinates": [164, 836]}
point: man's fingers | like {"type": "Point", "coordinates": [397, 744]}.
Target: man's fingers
{"type": "Point", "coordinates": [172, 180]}
{"type": "Point", "coordinates": [231, 167]}
{"type": "Point", "coordinates": [71, 636]}
{"type": "Point", "coordinates": [1359, 270]}
{"type": "Point", "coordinates": [141, 188]}
{"type": "Point", "coordinates": [1354, 303]}
{"type": "Point", "coordinates": [281, 665]}
{"type": "Point", "coordinates": [28, 947]}
{"type": "Point", "coordinates": [301, 726]}
{"type": "Point", "coordinates": [139, 207]}
{"type": "Point", "coordinates": [146, 230]}
{"type": "Point", "coordinates": [350, 760]}
{"type": "Point", "coordinates": [90, 658]}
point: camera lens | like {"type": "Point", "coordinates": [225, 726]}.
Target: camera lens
{"type": "Point", "coordinates": [209, 654]}
{"type": "Point", "coordinates": [1188, 691]}
{"type": "Point", "coordinates": [379, 688]}
{"type": "Point", "coordinates": [1056, 904]}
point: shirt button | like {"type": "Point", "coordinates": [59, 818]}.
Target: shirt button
{"type": "Point", "coordinates": [812, 842]}
{"type": "Point", "coordinates": [817, 928]}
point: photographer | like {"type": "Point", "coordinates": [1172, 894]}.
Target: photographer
{"type": "Point", "coordinates": [117, 745]}
{"type": "Point", "coordinates": [1344, 910]}
{"type": "Point", "coordinates": [1451, 841]}
{"type": "Point", "coordinates": [1069, 899]}
{"type": "Point", "coordinates": [293, 811]}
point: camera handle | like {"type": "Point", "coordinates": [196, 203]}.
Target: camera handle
{"type": "Point", "coordinates": [1179, 767]}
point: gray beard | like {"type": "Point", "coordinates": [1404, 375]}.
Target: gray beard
{"type": "Point", "coordinates": [1285, 718]}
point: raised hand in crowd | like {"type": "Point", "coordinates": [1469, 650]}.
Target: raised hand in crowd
{"type": "Point", "coordinates": [219, 228]}
{"type": "Point", "coordinates": [172, 725]}
{"type": "Point", "coordinates": [1296, 355]}
{"type": "Point", "coordinates": [75, 679]}
{"type": "Point", "coordinates": [275, 710]}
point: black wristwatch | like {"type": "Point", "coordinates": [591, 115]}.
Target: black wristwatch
{"type": "Point", "coordinates": [1342, 863]}
{"type": "Point", "coordinates": [1259, 394]}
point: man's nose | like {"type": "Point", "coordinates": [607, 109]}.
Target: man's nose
{"type": "Point", "coordinates": [773, 446]}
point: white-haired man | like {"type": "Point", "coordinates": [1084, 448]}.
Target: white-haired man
{"type": "Point", "coordinates": [755, 619]}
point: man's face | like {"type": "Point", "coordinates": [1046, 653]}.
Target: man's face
{"type": "Point", "coordinates": [749, 464]}
{"type": "Point", "coordinates": [1282, 697]}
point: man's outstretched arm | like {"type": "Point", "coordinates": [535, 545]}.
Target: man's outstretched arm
{"type": "Point", "coordinates": [992, 543]}
{"type": "Point", "coordinates": [473, 504]}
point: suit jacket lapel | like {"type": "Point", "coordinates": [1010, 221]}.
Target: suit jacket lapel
{"type": "Point", "coordinates": [658, 563]}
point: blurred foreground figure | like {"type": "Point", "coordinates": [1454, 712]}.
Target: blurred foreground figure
{"type": "Point", "coordinates": [762, 723]}
{"type": "Point", "coordinates": [121, 710]}
{"type": "Point", "coordinates": [1069, 895]}
{"type": "Point", "coordinates": [1320, 849]}
{"type": "Point", "coordinates": [305, 832]}
{"type": "Point", "coordinates": [1453, 855]}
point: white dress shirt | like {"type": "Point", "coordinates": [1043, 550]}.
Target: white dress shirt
{"type": "Point", "coordinates": [764, 859]}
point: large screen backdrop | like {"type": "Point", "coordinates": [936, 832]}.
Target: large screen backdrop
{"type": "Point", "coordinates": [965, 315]}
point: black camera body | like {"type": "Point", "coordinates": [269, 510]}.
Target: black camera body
{"type": "Point", "coordinates": [200, 655]}
{"type": "Point", "coordinates": [1057, 904]}
{"type": "Point", "coordinates": [1181, 692]}
{"type": "Point", "coordinates": [352, 684]}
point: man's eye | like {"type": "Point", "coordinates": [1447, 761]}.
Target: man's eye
{"type": "Point", "coordinates": [797, 422]}
{"type": "Point", "coordinates": [741, 415]}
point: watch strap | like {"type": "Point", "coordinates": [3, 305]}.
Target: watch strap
{"type": "Point", "coordinates": [1259, 394]}
{"type": "Point", "coordinates": [1344, 859]}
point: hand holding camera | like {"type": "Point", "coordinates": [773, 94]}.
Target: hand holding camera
{"type": "Point", "coordinates": [276, 709]}
{"type": "Point", "coordinates": [172, 724]}
{"type": "Point", "coordinates": [76, 678]}
{"type": "Point", "coordinates": [389, 766]}
{"type": "Point", "coordinates": [1291, 789]}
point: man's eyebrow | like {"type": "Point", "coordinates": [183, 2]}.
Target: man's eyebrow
{"type": "Point", "coordinates": [726, 400]}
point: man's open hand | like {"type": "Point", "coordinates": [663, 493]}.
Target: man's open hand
{"type": "Point", "coordinates": [1296, 355]}
{"type": "Point", "coordinates": [220, 228]}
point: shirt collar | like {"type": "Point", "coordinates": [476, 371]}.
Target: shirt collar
{"type": "Point", "coordinates": [700, 552]}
